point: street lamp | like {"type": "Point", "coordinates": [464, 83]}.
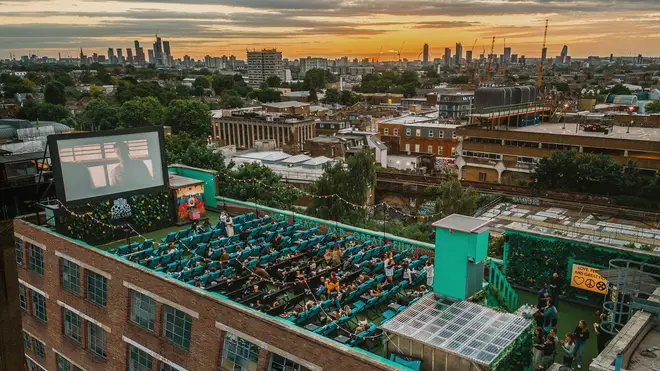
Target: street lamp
{"type": "Point", "coordinates": [565, 109]}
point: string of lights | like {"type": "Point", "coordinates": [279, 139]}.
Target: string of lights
{"type": "Point", "coordinates": [334, 195]}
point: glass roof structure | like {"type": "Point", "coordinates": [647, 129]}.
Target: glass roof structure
{"type": "Point", "coordinates": [468, 330]}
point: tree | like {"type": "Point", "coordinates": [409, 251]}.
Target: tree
{"type": "Point", "coordinates": [348, 98]}
{"type": "Point", "coordinates": [65, 79]}
{"type": "Point", "coordinates": [201, 82]}
{"type": "Point", "coordinates": [269, 190]}
{"type": "Point", "coordinates": [653, 107]}
{"type": "Point", "coordinates": [190, 116]}
{"type": "Point", "coordinates": [55, 93]}
{"type": "Point", "coordinates": [317, 78]}
{"type": "Point", "coordinates": [98, 115]}
{"type": "Point", "coordinates": [273, 81]}
{"type": "Point", "coordinates": [33, 111]}
{"type": "Point", "coordinates": [141, 112]}
{"type": "Point", "coordinates": [460, 80]}
{"type": "Point", "coordinates": [350, 180]}
{"type": "Point", "coordinates": [332, 96]}
{"type": "Point", "coordinates": [570, 171]}
{"type": "Point", "coordinates": [452, 198]}
{"type": "Point", "coordinates": [230, 100]}
{"type": "Point", "coordinates": [312, 98]}
{"type": "Point", "coordinates": [265, 95]}
{"type": "Point", "coordinates": [186, 150]}
{"type": "Point", "coordinates": [619, 89]}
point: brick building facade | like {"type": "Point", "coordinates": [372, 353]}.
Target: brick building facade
{"type": "Point", "coordinates": [86, 309]}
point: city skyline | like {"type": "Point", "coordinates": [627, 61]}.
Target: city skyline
{"type": "Point", "coordinates": [356, 29]}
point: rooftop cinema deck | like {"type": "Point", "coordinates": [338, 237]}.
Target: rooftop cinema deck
{"type": "Point", "coordinates": [279, 269]}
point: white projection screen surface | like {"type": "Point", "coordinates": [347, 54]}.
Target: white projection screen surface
{"type": "Point", "coordinates": [107, 165]}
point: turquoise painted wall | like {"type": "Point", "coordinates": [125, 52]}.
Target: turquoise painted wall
{"type": "Point", "coordinates": [207, 176]}
{"type": "Point", "coordinates": [452, 251]}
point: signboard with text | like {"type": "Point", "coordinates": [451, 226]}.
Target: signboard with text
{"type": "Point", "coordinates": [585, 278]}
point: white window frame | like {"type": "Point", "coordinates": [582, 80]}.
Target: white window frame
{"type": "Point", "coordinates": [395, 132]}
{"type": "Point", "coordinates": [386, 131]}
{"type": "Point", "coordinates": [430, 133]}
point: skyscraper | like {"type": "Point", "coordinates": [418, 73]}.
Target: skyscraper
{"type": "Point", "coordinates": [152, 58]}
{"type": "Point", "coordinates": [167, 56]}
{"type": "Point", "coordinates": [468, 56]}
{"type": "Point", "coordinates": [111, 56]}
{"type": "Point", "coordinates": [264, 64]}
{"type": "Point", "coordinates": [514, 58]}
{"type": "Point", "coordinates": [507, 55]}
{"type": "Point", "coordinates": [426, 54]}
{"type": "Point", "coordinates": [129, 55]}
{"type": "Point", "coordinates": [564, 51]}
{"type": "Point", "coordinates": [120, 56]}
{"type": "Point", "coordinates": [158, 51]}
{"type": "Point", "coordinates": [447, 56]}
{"type": "Point", "coordinates": [544, 54]}
{"type": "Point", "coordinates": [459, 54]}
{"type": "Point", "coordinates": [83, 58]}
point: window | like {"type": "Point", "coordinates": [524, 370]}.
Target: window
{"type": "Point", "coordinates": [27, 340]}
{"type": "Point", "coordinates": [407, 147]}
{"type": "Point", "coordinates": [139, 360]}
{"type": "Point", "coordinates": [72, 325]}
{"type": "Point", "coordinates": [396, 132]}
{"type": "Point", "coordinates": [453, 151]}
{"type": "Point", "coordinates": [430, 133]}
{"type": "Point", "coordinates": [386, 131]}
{"type": "Point", "coordinates": [39, 306]}
{"type": "Point", "coordinates": [22, 297]}
{"type": "Point", "coordinates": [166, 367]}
{"type": "Point", "coordinates": [417, 148]}
{"type": "Point", "coordinates": [63, 364]}
{"type": "Point", "coordinates": [279, 363]}
{"type": "Point", "coordinates": [33, 366]}
{"type": "Point", "coordinates": [440, 150]}
{"type": "Point", "coordinates": [239, 354]}
{"type": "Point", "coordinates": [441, 133]}
{"type": "Point", "coordinates": [96, 339]}
{"type": "Point", "coordinates": [177, 326]}
{"type": "Point", "coordinates": [143, 310]}
{"type": "Point", "coordinates": [453, 135]}
{"type": "Point", "coordinates": [482, 177]}
{"type": "Point", "coordinates": [418, 132]}
{"type": "Point", "coordinates": [70, 276]}
{"type": "Point", "coordinates": [463, 173]}
{"type": "Point", "coordinates": [97, 288]}
{"type": "Point", "coordinates": [430, 149]}
{"type": "Point", "coordinates": [18, 244]}
{"type": "Point", "coordinates": [39, 348]}
{"type": "Point", "coordinates": [36, 259]}
{"type": "Point", "coordinates": [408, 132]}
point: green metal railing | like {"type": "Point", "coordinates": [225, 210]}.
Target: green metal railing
{"type": "Point", "coordinates": [398, 243]}
{"type": "Point", "coordinates": [499, 282]}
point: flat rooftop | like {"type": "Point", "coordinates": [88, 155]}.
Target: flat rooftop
{"type": "Point", "coordinates": [617, 132]}
{"type": "Point", "coordinates": [575, 224]}
{"type": "Point", "coordinates": [262, 266]}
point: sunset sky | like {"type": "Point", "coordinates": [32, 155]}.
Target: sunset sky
{"type": "Point", "coordinates": [355, 28]}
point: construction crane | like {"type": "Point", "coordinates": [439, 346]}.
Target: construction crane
{"type": "Point", "coordinates": [490, 57]}
{"type": "Point", "coordinates": [505, 61]}
{"type": "Point", "coordinates": [377, 57]}
{"type": "Point", "coordinates": [539, 76]}
{"type": "Point", "coordinates": [398, 52]}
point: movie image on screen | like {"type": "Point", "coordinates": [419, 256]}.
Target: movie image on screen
{"type": "Point", "coordinates": [106, 165]}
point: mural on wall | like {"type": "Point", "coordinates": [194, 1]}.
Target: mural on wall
{"type": "Point", "coordinates": [189, 203]}
{"type": "Point", "coordinates": [446, 166]}
{"type": "Point", "coordinates": [145, 213]}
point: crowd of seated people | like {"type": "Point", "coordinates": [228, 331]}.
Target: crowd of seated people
{"type": "Point", "coordinates": [334, 283]}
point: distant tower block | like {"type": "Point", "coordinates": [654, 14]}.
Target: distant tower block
{"type": "Point", "coordinates": [461, 246]}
